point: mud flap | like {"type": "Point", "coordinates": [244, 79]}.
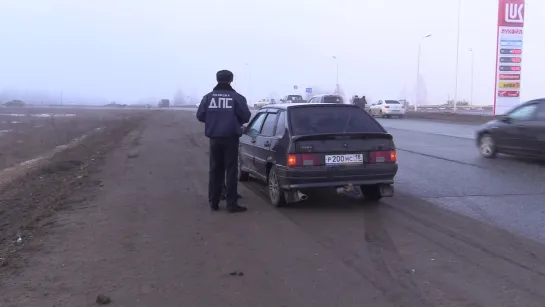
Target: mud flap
{"type": "Point", "coordinates": [386, 190]}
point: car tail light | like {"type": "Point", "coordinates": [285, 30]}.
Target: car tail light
{"type": "Point", "coordinates": [386, 107]}
{"type": "Point", "coordinates": [383, 156]}
{"type": "Point", "coordinates": [302, 160]}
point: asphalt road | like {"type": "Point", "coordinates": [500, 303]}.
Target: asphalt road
{"type": "Point", "coordinates": [439, 162]}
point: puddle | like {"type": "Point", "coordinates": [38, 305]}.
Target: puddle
{"type": "Point", "coordinates": [39, 115]}
{"type": "Point", "coordinates": [4, 131]}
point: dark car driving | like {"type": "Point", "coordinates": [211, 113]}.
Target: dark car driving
{"type": "Point", "coordinates": [520, 132]}
{"type": "Point", "coordinates": [295, 147]}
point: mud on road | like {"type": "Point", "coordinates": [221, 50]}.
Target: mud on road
{"type": "Point", "coordinates": [140, 233]}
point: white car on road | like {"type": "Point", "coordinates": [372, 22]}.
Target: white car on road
{"type": "Point", "coordinates": [387, 108]}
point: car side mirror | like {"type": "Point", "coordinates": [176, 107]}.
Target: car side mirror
{"type": "Point", "coordinates": [504, 118]}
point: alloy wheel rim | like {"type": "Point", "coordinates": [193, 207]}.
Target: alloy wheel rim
{"type": "Point", "coordinates": [487, 146]}
{"type": "Point", "coordinates": [273, 186]}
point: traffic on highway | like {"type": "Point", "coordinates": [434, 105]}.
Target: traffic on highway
{"type": "Point", "coordinates": [445, 163]}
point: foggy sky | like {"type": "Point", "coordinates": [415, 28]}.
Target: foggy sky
{"type": "Point", "coordinates": [127, 50]}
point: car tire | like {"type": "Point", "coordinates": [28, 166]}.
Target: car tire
{"type": "Point", "coordinates": [371, 192]}
{"type": "Point", "coordinates": [487, 146]}
{"type": "Point", "coordinates": [242, 175]}
{"type": "Point", "coordinates": [276, 193]}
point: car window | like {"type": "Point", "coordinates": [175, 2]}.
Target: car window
{"type": "Point", "coordinates": [268, 125]}
{"type": "Point", "coordinates": [295, 97]}
{"type": "Point", "coordinates": [540, 115]}
{"type": "Point", "coordinates": [333, 99]}
{"type": "Point", "coordinates": [331, 119]}
{"type": "Point", "coordinates": [392, 102]}
{"type": "Point", "coordinates": [281, 124]}
{"type": "Point", "coordinates": [524, 113]}
{"type": "Point", "coordinates": [255, 126]}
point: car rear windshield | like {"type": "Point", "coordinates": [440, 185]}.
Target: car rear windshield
{"type": "Point", "coordinates": [295, 97]}
{"type": "Point", "coordinates": [333, 99]}
{"type": "Point", "coordinates": [331, 119]}
{"type": "Point", "coordinates": [392, 102]}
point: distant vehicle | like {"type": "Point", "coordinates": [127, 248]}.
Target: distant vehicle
{"type": "Point", "coordinates": [14, 103]}
{"type": "Point", "coordinates": [520, 132]}
{"type": "Point", "coordinates": [292, 99]}
{"type": "Point", "coordinates": [164, 103]}
{"type": "Point", "coordinates": [387, 108]}
{"type": "Point", "coordinates": [261, 103]}
{"type": "Point", "coordinates": [299, 146]}
{"type": "Point", "coordinates": [326, 98]}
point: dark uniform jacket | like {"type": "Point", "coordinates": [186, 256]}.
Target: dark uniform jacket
{"type": "Point", "coordinates": [223, 111]}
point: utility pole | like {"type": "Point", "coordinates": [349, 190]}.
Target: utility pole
{"type": "Point", "coordinates": [418, 72]}
{"type": "Point", "coordinates": [472, 75]}
{"type": "Point", "coordinates": [457, 54]}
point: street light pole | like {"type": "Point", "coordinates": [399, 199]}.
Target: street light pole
{"type": "Point", "coordinates": [418, 72]}
{"type": "Point", "coordinates": [249, 82]}
{"type": "Point", "coordinates": [472, 75]}
{"type": "Point", "coordinates": [457, 54]}
{"type": "Point", "coordinates": [337, 77]}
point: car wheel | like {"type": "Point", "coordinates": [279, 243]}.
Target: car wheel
{"type": "Point", "coordinates": [276, 193]}
{"type": "Point", "coordinates": [242, 175]}
{"type": "Point", "coordinates": [487, 146]}
{"type": "Point", "coordinates": [371, 192]}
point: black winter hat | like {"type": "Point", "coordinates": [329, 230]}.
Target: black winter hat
{"type": "Point", "coordinates": [224, 76]}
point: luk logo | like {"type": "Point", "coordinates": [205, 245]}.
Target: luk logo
{"type": "Point", "coordinates": [514, 12]}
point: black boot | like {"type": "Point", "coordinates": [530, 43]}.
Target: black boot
{"type": "Point", "coordinates": [236, 208]}
{"type": "Point", "coordinates": [214, 207]}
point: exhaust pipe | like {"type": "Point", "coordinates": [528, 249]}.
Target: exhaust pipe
{"type": "Point", "coordinates": [345, 189]}
{"type": "Point", "coordinates": [294, 196]}
{"type": "Point", "coordinates": [301, 195]}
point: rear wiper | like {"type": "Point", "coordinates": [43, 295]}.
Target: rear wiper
{"type": "Point", "coordinates": [347, 122]}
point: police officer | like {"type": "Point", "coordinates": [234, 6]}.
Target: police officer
{"type": "Point", "coordinates": [223, 111]}
{"type": "Point", "coordinates": [356, 100]}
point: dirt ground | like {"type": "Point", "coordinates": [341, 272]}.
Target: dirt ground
{"type": "Point", "coordinates": [125, 216]}
{"type": "Point", "coordinates": [26, 133]}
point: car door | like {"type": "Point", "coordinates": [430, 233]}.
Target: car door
{"type": "Point", "coordinates": [538, 128]}
{"type": "Point", "coordinates": [515, 135]}
{"type": "Point", "coordinates": [248, 140]}
{"type": "Point", "coordinates": [263, 153]}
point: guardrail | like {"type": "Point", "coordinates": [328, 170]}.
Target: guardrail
{"type": "Point", "coordinates": [468, 118]}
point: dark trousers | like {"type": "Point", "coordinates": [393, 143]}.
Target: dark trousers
{"type": "Point", "coordinates": [223, 168]}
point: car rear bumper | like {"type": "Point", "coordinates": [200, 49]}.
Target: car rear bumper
{"type": "Point", "coordinates": [393, 112]}
{"type": "Point", "coordinates": [319, 177]}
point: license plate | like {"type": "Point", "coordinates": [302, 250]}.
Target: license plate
{"type": "Point", "coordinates": [348, 159]}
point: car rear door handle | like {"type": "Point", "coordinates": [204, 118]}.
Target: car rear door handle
{"type": "Point", "coordinates": [253, 140]}
{"type": "Point", "coordinates": [267, 144]}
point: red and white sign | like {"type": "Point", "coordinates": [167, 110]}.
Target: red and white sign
{"type": "Point", "coordinates": [510, 94]}
{"type": "Point", "coordinates": [509, 77]}
{"type": "Point", "coordinates": [508, 54]}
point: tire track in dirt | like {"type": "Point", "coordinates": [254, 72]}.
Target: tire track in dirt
{"type": "Point", "coordinates": [492, 258]}
{"type": "Point", "coordinates": [374, 256]}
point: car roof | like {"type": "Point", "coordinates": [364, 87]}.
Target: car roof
{"type": "Point", "coordinates": [285, 106]}
{"type": "Point", "coordinates": [322, 95]}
